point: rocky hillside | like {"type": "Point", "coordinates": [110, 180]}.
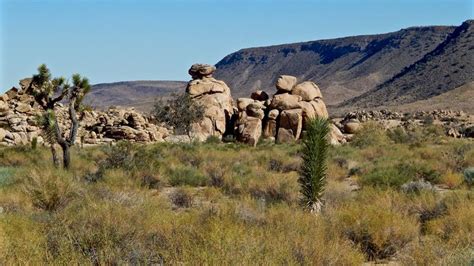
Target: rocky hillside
{"type": "Point", "coordinates": [449, 66]}
{"type": "Point", "coordinates": [138, 94]}
{"type": "Point", "coordinates": [343, 67]}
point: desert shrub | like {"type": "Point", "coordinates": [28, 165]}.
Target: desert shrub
{"type": "Point", "coordinates": [118, 156]}
{"type": "Point", "coordinates": [273, 189]}
{"type": "Point", "coordinates": [181, 198]}
{"type": "Point", "coordinates": [456, 227]}
{"type": "Point", "coordinates": [469, 176]}
{"type": "Point", "coordinates": [417, 186]}
{"type": "Point", "coordinates": [451, 180]}
{"type": "Point", "coordinates": [375, 223]}
{"type": "Point", "coordinates": [216, 175]}
{"type": "Point", "coordinates": [185, 175]}
{"type": "Point", "coordinates": [416, 136]}
{"type": "Point", "coordinates": [103, 233]}
{"type": "Point", "coordinates": [419, 171]}
{"type": "Point", "coordinates": [433, 251]}
{"type": "Point", "coordinates": [151, 181]}
{"type": "Point", "coordinates": [6, 176]}
{"type": "Point", "coordinates": [179, 112]}
{"type": "Point", "coordinates": [21, 240]}
{"type": "Point", "coordinates": [426, 205]}
{"type": "Point", "coordinates": [391, 177]}
{"type": "Point", "coordinates": [370, 134]}
{"type": "Point", "coordinates": [49, 190]}
{"type": "Point", "coordinates": [399, 174]}
{"type": "Point", "coordinates": [456, 155]}
{"type": "Point", "coordinates": [398, 135]}
{"type": "Point", "coordinates": [278, 165]}
{"type": "Point", "coordinates": [213, 140]}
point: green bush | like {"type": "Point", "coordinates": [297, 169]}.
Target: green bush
{"type": "Point", "coordinates": [185, 175]}
{"type": "Point", "coordinates": [385, 177]}
{"type": "Point", "coordinates": [371, 134]}
{"type": "Point", "coordinates": [469, 176]}
{"type": "Point", "coordinates": [6, 176]}
{"type": "Point", "coordinates": [179, 112]}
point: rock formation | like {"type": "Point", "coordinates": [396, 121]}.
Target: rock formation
{"type": "Point", "coordinates": [283, 117]}
{"type": "Point", "coordinates": [18, 122]}
{"type": "Point", "coordinates": [456, 124]}
{"type": "Point", "coordinates": [215, 97]}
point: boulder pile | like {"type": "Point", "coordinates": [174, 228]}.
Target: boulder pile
{"type": "Point", "coordinates": [282, 118]}
{"type": "Point", "coordinates": [214, 95]}
{"type": "Point", "coordinates": [19, 122]}
{"type": "Point", "coordinates": [457, 124]}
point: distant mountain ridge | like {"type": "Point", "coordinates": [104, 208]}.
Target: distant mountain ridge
{"type": "Point", "coordinates": [448, 66]}
{"type": "Point", "coordinates": [139, 94]}
{"type": "Point", "coordinates": [367, 71]}
{"type": "Point", "coordinates": [343, 67]}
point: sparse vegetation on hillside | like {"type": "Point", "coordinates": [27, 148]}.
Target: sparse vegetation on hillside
{"type": "Point", "coordinates": [226, 203]}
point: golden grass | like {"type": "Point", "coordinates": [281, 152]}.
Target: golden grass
{"type": "Point", "coordinates": [234, 204]}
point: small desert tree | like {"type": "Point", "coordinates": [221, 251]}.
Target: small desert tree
{"type": "Point", "coordinates": [313, 170]}
{"type": "Point", "coordinates": [179, 112]}
{"type": "Point", "coordinates": [49, 91]}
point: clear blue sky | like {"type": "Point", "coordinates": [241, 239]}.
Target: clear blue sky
{"type": "Point", "coordinates": [115, 40]}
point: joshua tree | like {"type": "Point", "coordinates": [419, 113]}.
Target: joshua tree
{"type": "Point", "coordinates": [49, 91]}
{"type": "Point", "coordinates": [179, 112]}
{"type": "Point", "coordinates": [313, 171]}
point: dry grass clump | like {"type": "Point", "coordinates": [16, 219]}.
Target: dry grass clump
{"type": "Point", "coordinates": [182, 198]}
{"type": "Point", "coordinates": [376, 223]}
{"type": "Point", "coordinates": [452, 180]}
{"type": "Point", "coordinates": [49, 189]}
{"type": "Point", "coordinates": [456, 227]}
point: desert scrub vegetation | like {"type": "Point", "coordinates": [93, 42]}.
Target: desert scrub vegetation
{"type": "Point", "coordinates": [225, 203]}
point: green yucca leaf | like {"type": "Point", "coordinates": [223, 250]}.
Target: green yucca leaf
{"type": "Point", "coordinates": [313, 170]}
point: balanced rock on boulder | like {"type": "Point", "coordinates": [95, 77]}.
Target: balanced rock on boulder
{"type": "Point", "coordinates": [214, 95]}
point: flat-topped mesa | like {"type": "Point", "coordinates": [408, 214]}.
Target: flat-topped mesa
{"type": "Point", "coordinates": [282, 118]}
{"type": "Point", "coordinates": [214, 95]}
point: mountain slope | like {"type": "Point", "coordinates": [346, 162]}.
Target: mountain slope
{"type": "Point", "coordinates": [343, 67]}
{"type": "Point", "coordinates": [138, 94]}
{"type": "Point", "coordinates": [448, 66]}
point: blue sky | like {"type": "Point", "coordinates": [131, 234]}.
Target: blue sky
{"type": "Point", "coordinates": [116, 40]}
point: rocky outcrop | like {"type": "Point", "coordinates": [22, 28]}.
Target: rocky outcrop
{"type": "Point", "coordinates": [283, 117]}
{"type": "Point", "coordinates": [215, 97]}
{"type": "Point", "coordinates": [456, 124]}
{"type": "Point", "coordinates": [19, 112]}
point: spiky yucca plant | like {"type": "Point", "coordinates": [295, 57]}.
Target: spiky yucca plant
{"type": "Point", "coordinates": [313, 170]}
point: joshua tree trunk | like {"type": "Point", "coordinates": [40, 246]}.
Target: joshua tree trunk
{"type": "Point", "coordinates": [55, 156]}
{"type": "Point", "coordinates": [66, 143]}
{"type": "Point", "coordinates": [66, 156]}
